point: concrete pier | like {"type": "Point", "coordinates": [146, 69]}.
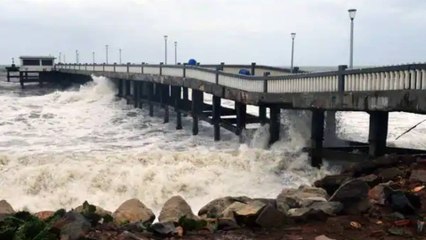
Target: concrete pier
{"type": "Point", "coordinates": [317, 136]}
{"type": "Point", "coordinates": [378, 133]}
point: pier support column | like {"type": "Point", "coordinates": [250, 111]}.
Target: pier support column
{"type": "Point", "coordinates": [330, 128]}
{"type": "Point", "coordinates": [185, 101]}
{"type": "Point", "coordinates": [136, 94]}
{"type": "Point", "coordinates": [378, 133]}
{"type": "Point", "coordinates": [164, 98]}
{"type": "Point", "coordinates": [176, 91]}
{"type": "Point", "coordinates": [317, 136]}
{"type": "Point", "coordinates": [120, 88]}
{"type": "Point", "coordinates": [150, 89]}
{"type": "Point", "coordinates": [141, 93]}
{"type": "Point", "coordinates": [127, 90]}
{"type": "Point", "coordinates": [197, 103]}
{"type": "Point", "coordinates": [216, 117]}
{"type": "Point", "coordinates": [274, 124]}
{"type": "Point", "coordinates": [262, 115]}
{"type": "Point", "coordinates": [241, 110]}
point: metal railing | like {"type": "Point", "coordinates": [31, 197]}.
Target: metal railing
{"type": "Point", "coordinates": [400, 77]}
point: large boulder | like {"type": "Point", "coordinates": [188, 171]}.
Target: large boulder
{"type": "Point", "coordinates": [301, 197]}
{"type": "Point", "coordinates": [215, 208]}
{"type": "Point", "coordinates": [270, 217]}
{"type": "Point", "coordinates": [132, 211]}
{"type": "Point", "coordinates": [245, 214]}
{"type": "Point", "coordinates": [418, 175]}
{"type": "Point", "coordinates": [391, 173]}
{"type": "Point", "coordinates": [353, 195]}
{"type": "Point", "coordinates": [332, 182]}
{"type": "Point", "coordinates": [100, 211]}
{"type": "Point", "coordinates": [72, 226]}
{"type": "Point", "coordinates": [175, 208]}
{"type": "Point", "coordinates": [317, 210]}
{"type": "Point", "coordinates": [6, 208]}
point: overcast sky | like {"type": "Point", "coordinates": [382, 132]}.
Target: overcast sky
{"type": "Point", "coordinates": [213, 31]}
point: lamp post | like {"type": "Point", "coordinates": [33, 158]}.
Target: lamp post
{"type": "Point", "coordinates": [352, 13]}
{"type": "Point", "coordinates": [65, 59]}
{"type": "Point", "coordinates": [60, 57]}
{"type": "Point", "coordinates": [93, 57]}
{"type": "Point", "coordinates": [165, 49]}
{"type": "Point", "coordinates": [293, 36]}
{"type": "Point", "coordinates": [119, 54]}
{"type": "Point", "coordinates": [76, 56]}
{"type": "Point", "coordinates": [175, 52]}
{"type": "Point", "coordinates": [106, 54]}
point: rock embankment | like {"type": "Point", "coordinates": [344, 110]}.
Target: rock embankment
{"type": "Point", "coordinates": [382, 199]}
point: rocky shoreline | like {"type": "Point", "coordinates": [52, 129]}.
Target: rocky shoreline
{"type": "Point", "coordinates": [380, 199]}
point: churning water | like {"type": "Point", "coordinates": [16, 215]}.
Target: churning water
{"type": "Point", "coordinates": [59, 148]}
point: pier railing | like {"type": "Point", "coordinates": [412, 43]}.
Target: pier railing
{"type": "Point", "coordinates": [400, 77]}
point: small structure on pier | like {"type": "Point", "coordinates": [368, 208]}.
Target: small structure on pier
{"type": "Point", "coordinates": [12, 69]}
{"type": "Point", "coordinates": [32, 69]}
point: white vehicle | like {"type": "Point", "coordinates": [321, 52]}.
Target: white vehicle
{"type": "Point", "coordinates": [37, 63]}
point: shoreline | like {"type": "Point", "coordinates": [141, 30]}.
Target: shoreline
{"type": "Point", "coordinates": [361, 201]}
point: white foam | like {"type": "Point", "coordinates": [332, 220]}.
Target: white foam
{"type": "Point", "coordinates": [61, 148]}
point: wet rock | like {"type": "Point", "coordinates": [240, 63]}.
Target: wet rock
{"type": "Point", "coordinates": [6, 208]}
{"type": "Point", "coordinates": [332, 183]}
{"type": "Point", "coordinates": [175, 208]}
{"type": "Point", "coordinates": [215, 208]}
{"type": "Point", "coordinates": [98, 210]}
{"type": "Point", "coordinates": [388, 174]}
{"type": "Point", "coordinates": [296, 198]}
{"type": "Point", "coordinates": [163, 228]}
{"type": "Point", "coordinates": [418, 175]}
{"type": "Point", "coordinates": [379, 193]}
{"type": "Point", "coordinates": [72, 226]}
{"type": "Point", "coordinates": [402, 202]}
{"type": "Point", "coordinates": [318, 210]}
{"type": "Point", "coordinates": [132, 211]}
{"type": "Point", "coordinates": [323, 237]}
{"type": "Point", "coordinates": [227, 224]}
{"type": "Point", "coordinates": [371, 179]}
{"type": "Point", "coordinates": [353, 195]}
{"type": "Point", "coordinates": [245, 214]}
{"type": "Point", "coordinates": [43, 215]}
{"type": "Point", "coordinates": [270, 217]}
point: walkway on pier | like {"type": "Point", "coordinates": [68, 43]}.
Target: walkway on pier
{"type": "Point", "coordinates": [378, 91]}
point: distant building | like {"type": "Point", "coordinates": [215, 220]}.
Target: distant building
{"type": "Point", "coordinates": [37, 63]}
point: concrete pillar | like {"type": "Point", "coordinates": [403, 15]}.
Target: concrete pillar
{"type": "Point", "coordinates": [197, 102]}
{"type": "Point", "coordinates": [216, 117]}
{"type": "Point", "coordinates": [274, 124]}
{"type": "Point", "coordinates": [330, 128]}
{"type": "Point", "coordinates": [151, 98]}
{"type": "Point", "coordinates": [127, 89]}
{"type": "Point", "coordinates": [317, 136]}
{"type": "Point", "coordinates": [164, 98]}
{"type": "Point", "coordinates": [176, 91]}
{"type": "Point", "coordinates": [141, 93]}
{"type": "Point", "coordinates": [241, 110]}
{"type": "Point", "coordinates": [136, 94]}
{"type": "Point", "coordinates": [378, 133]}
{"type": "Point", "coordinates": [120, 88]}
{"type": "Point", "coordinates": [185, 98]}
{"type": "Point", "coordinates": [262, 115]}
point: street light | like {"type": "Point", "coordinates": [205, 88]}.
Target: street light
{"type": "Point", "coordinates": [106, 55]}
{"type": "Point", "coordinates": [76, 56]}
{"type": "Point", "coordinates": [352, 13]}
{"type": "Point", "coordinates": [60, 57]}
{"type": "Point", "coordinates": [293, 36]}
{"type": "Point", "coordinates": [93, 57]}
{"type": "Point", "coordinates": [175, 52]}
{"type": "Point", "coordinates": [119, 53]}
{"type": "Point", "coordinates": [165, 49]}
